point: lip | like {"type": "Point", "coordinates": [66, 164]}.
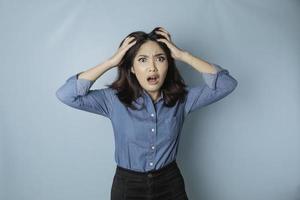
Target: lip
{"type": "Point", "coordinates": [153, 83]}
{"type": "Point", "coordinates": [157, 79]}
{"type": "Point", "coordinates": [156, 75]}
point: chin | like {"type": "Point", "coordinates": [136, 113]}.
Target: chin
{"type": "Point", "coordinates": [153, 90]}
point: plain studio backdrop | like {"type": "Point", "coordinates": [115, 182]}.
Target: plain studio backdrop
{"type": "Point", "coordinates": [243, 147]}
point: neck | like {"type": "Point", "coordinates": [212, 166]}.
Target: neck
{"type": "Point", "coordinates": [154, 95]}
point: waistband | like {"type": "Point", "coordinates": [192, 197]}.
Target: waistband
{"type": "Point", "coordinates": [167, 168]}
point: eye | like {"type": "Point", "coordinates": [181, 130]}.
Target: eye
{"type": "Point", "coordinates": [141, 59]}
{"type": "Point", "coordinates": [162, 59]}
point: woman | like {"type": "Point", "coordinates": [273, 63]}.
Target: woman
{"type": "Point", "coordinates": [147, 105]}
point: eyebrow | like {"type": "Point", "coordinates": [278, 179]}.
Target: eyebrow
{"type": "Point", "coordinates": [155, 55]}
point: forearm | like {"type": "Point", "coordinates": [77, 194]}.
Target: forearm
{"type": "Point", "coordinates": [198, 64]}
{"type": "Point", "coordinates": [95, 72]}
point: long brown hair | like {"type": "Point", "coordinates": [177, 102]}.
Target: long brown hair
{"type": "Point", "coordinates": [127, 85]}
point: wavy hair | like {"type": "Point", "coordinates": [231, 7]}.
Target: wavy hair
{"type": "Point", "coordinates": [126, 83]}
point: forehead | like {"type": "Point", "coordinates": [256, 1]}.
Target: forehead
{"type": "Point", "coordinates": [150, 48]}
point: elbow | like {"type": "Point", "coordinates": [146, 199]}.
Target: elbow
{"type": "Point", "coordinates": [61, 96]}
{"type": "Point", "coordinates": [226, 83]}
{"type": "Point", "coordinates": [229, 86]}
{"type": "Point", "coordinates": [234, 84]}
{"type": "Point", "coordinates": [67, 93]}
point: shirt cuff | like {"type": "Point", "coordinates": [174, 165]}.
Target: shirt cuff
{"type": "Point", "coordinates": [210, 78]}
{"type": "Point", "coordinates": [82, 85]}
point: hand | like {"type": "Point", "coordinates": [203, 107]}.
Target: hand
{"type": "Point", "coordinates": [117, 57]}
{"type": "Point", "coordinates": [176, 52]}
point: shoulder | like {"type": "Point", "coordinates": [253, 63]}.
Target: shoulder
{"type": "Point", "coordinates": [109, 93]}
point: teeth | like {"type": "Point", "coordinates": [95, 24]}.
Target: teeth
{"type": "Point", "coordinates": [152, 78]}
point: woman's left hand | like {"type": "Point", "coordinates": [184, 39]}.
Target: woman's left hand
{"type": "Point", "coordinates": [176, 52]}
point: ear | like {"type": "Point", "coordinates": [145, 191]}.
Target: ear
{"type": "Point", "coordinates": [132, 69]}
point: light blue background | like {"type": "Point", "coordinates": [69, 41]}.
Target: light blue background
{"type": "Point", "coordinates": [244, 147]}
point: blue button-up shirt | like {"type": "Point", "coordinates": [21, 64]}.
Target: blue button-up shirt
{"type": "Point", "coordinates": [145, 139]}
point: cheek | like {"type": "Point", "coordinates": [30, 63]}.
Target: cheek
{"type": "Point", "coordinates": [164, 70]}
{"type": "Point", "coordinates": [140, 73]}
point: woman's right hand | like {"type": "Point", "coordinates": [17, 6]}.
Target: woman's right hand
{"type": "Point", "coordinates": [117, 57]}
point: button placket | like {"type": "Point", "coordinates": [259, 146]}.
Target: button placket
{"type": "Point", "coordinates": [152, 145]}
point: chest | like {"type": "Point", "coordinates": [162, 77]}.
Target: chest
{"type": "Point", "coordinates": [152, 123]}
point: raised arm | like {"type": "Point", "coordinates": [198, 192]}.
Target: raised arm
{"type": "Point", "coordinates": [216, 87]}
{"type": "Point", "coordinates": [75, 92]}
{"type": "Point", "coordinates": [218, 84]}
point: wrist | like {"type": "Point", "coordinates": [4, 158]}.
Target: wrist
{"type": "Point", "coordinates": [185, 56]}
{"type": "Point", "coordinates": [109, 64]}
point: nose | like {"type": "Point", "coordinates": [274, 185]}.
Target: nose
{"type": "Point", "coordinates": [152, 66]}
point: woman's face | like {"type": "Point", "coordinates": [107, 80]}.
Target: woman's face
{"type": "Point", "coordinates": [150, 60]}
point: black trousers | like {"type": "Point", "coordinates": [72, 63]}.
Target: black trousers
{"type": "Point", "coordinates": [166, 183]}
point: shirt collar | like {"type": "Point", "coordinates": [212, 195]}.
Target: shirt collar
{"type": "Point", "coordinates": [145, 97]}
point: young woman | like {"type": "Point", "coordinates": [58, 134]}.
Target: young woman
{"type": "Point", "coordinates": [147, 105]}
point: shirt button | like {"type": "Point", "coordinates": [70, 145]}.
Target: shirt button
{"type": "Point", "coordinates": [153, 130]}
{"type": "Point", "coordinates": [152, 115]}
{"type": "Point", "coordinates": [151, 163]}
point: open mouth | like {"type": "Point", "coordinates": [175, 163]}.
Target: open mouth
{"type": "Point", "coordinates": [153, 79]}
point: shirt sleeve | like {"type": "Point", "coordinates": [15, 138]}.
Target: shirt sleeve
{"type": "Point", "coordinates": [216, 87]}
{"type": "Point", "coordinates": [77, 94]}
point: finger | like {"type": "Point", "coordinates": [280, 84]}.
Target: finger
{"type": "Point", "coordinates": [127, 41]}
{"type": "Point", "coordinates": [130, 44]}
{"type": "Point", "coordinates": [164, 34]}
{"type": "Point", "coordinates": [164, 30]}
{"type": "Point", "coordinates": [164, 41]}
{"type": "Point", "coordinates": [131, 39]}
{"type": "Point", "coordinates": [128, 37]}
